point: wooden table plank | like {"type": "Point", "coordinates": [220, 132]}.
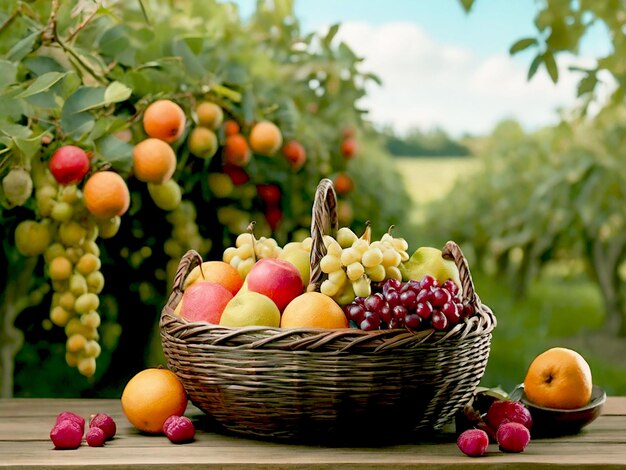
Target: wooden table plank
{"type": "Point", "coordinates": [25, 425]}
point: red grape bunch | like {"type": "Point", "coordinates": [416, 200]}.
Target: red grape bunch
{"type": "Point", "coordinates": [416, 305]}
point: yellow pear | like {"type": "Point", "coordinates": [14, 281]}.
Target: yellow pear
{"type": "Point", "coordinates": [250, 308]}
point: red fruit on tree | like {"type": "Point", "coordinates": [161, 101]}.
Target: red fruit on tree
{"type": "Point", "coordinates": [69, 164]}
{"type": "Point", "coordinates": [348, 148]}
{"type": "Point", "coordinates": [269, 193]}
{"type": "Point", "coordinates": [236, 174]}
{"type": "Point", "coordinates": [295, 154]}
{"type": "Point", "coordinates": [273, 215]}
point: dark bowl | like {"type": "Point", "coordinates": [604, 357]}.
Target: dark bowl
{"type": "Point", "coordinates": [549, 422]}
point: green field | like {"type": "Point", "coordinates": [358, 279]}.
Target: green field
{"type": "Point", "coordinates": [429, 178]}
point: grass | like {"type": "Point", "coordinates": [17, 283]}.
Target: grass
{"type": "Point", "coordinates": [554, 311]}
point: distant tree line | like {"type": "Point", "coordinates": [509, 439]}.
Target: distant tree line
{"type": "Point", "coordinates": [418, 143]}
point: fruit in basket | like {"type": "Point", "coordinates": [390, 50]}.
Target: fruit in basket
{"type": "Point", "coordinates": [313, 310]}
{"type": "Point", "coordinates": [558, 378]}
{"type": "Point", "coordinates": [513, 437]}
{"type": "Point", "coordinates": [152, 396]}
{"type": "Point", "coordinates": [179, 429]}
{"type": "Point", "coordinates": [415, 305]}
{"type": "Point", "coordinates": [508, 411]}
{"type": "Point", "coordinates": [204, 301]}
{"type": "Point", "coordinates": [277, 279]}
{"type": "Point", "coordinates": [249, 308]}
{"type": "Point", "coordinates": [300, 258]}
{"type": "Point", "coordinates": [218, 272]}
{"type": "Point", "coordinates": [429, 261]}
{"type": "Point", "coordinates": [473, 442]}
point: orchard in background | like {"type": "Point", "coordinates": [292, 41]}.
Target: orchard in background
{"type": "Point", "coordinates": [133, 132]}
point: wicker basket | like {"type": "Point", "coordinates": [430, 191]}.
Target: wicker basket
{"type": "Point", "coordinates": [327, 385]}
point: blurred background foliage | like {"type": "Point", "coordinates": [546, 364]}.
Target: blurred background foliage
{"type": "Point", "coordinates": [539, 215]}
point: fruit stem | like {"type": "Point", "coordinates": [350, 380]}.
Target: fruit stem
{"type": "Point", "coordinates": [367, 234]}
{"type": "Point", "coordinates": [250, 230]}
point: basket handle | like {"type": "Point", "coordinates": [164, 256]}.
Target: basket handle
{"type": "Point", "coordinates": [453, 252]}
{"type": "Point", "coordinates": [323, 222]}
{"type": "Point", "coordinates": [190, 260]}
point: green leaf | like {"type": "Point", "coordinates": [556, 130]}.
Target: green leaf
{"type": "Point", "coordinates": [551, 67]}
{"type": "Point", "coordinates": [42, 83]}
{"type": "Point", "coordinates": [117, 92]}
{"type": "Point", "coordinates": [77, 124]}
{"type": "Point", "coordinates": [29, 147]}
{"type": "Point", "coordinates": [587, 84]}
{"type": "Point", "coordinates": [467, 5]}
{"type": "Point", "coordinates": [8, 73]}
{"type": "Point", "coordinates": [332, 32]}
{"type": "Point", "coordinates": [14, 130]}
{"type": "Point", "coordinates": [23, 47]}
{"type": "Point", "coordinates": [42, 64]}
{"type": "Point", "coordinates": [522, 44]}
{"type": "Point", "coordinates": [192, 64]}
{"type": "Point", "coordinates": [118, 153]}
{"type": "Point", "coordinates": [534, 66]}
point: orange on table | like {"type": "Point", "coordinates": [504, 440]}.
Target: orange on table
{"type": "Point", "coordinates": [106, 195]}
{"type": "Point", "coordinates": [313, 310]}
{"type": "Point", "coordinates": [558, 378]}
{"type": "Point", "coordinates": [152, 396]}
{"type": "Point", "coordinates": [165, 120]}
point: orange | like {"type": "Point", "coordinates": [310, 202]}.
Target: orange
{"type": "Point", "coordinates": [152, 396]}
{"type": "Point", "coordinates": [154, 161]}
{"type": "Point", "coordinates": [313, 310]}
{"type": "Point", "coordinates": [295, 154]}
{"type": "Point", "coordinates": [343, 183]}
{"type": "Point", "coordinates": [236, 150]}
{"type": "Point", "coordinates": [231, 127]}
{"type": "Point", "coordinates": [164, 120]}
{"type": "Point", "coordinates": [209, 115]}
{"type": "Point", "coordinates": [265, 138]}
{"type": "Point", "coordinates": [558, 378]}
{"type": "Point", "coordinates": [218, 272]}
{"type": "Point", "coordinates": [106, 195]}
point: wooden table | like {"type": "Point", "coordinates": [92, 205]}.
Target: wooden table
{"type": "Point", "coordinates": [25, 425]}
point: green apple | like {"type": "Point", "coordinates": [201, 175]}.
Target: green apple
{"type": "Point", "coordinates": [428, 260]}
{"type": "Point", "coordinates": [250, 308]}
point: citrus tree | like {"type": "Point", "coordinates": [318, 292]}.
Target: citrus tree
{"type": "Point", "coordinates": [131, 132]}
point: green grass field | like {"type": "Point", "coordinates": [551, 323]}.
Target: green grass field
{"type": "Point", "coordinates": [554, 311]}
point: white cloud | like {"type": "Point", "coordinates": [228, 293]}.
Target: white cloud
{"type": "Point", "coordinates": [427, 83]}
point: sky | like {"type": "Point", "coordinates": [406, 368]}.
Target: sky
{"type": "Point", "coordinates": [443, 68]}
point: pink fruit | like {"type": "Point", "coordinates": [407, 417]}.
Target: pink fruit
{"type": "Point", "coordinates": [69, 164]}
{"type": "Point", "coordinates": [104, 422]}
{"type": "Point", "coordinates": [513, 437]}
{"type": "Point", "coordinates": [277, 279]}
{"type": "Point", "coordinates": [95, 437]}
{"type": "Point", "coordinates": [68, 415]}
{"type": "Point", "coordinates": [204, 301]}
{"type": "Point", "coordinates": [473, 442]}
{"type": "Point", "coordinates": [66, 434]}
{"type": "Point", "coordinates": [506, 411]}
{"type": "Point", "coordinates": [179, 429]}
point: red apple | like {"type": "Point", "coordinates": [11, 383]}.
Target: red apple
{"type": "Point", "coordinates": [269, 193]}
{"type": "Point", "coordinates": [69, 164]}
{"type": "Point", "coordinates": [295, 154]}
{"type": "Point", "coordinates": [277, 279]}
{"type": "Point", "coordinates": [204, 301]}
